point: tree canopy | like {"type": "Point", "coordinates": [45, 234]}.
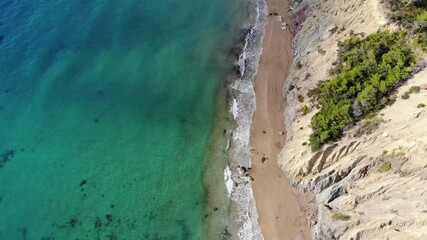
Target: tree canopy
{"type": "Point", "coordinates": [366, 72]}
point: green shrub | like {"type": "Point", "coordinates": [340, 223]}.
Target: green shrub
{"type": "Point", "coordinates": [422, 17]}
{"type": "Point", "coordinates": [405, 96]}
{"type": "Point", "coordinates": [409, 13]}
{"type": "Point", "coordinates": [421, 105]}
{"type": "Point", "coordinates": [300, 98]}
{"type": "Point", "coordinates": [414, 89]}
{"type": "Point", "coordinates": [385, 167]}
{"type": "Point", "coordinates": [421, 20]}
{"type": "Point", "coordinates": [392, 100]}
{"type": "Point", "coordinates": [299, 65]}
{"type": "Point", "coordinates": [368, 126]}
{"type": "Point", "coordinates": [340, 216]}
{"type": "Point", "coordinates": [305, 109]}
{"type": "Point", "coordinates": [398, 154]}
{"type": "Point", "coordinates": [321, 51]}
{"type": "Point", "coordinates": [304, 143]}
{"type": "Point", "coordinates": [315, 142]}
{"type": "Point", "coordinates": [421, 40]}
{"type": "Point", "coordinates": [366, 73]}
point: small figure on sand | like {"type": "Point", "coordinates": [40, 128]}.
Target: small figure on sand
{"type": "Point", "coordinates": [263, 159]}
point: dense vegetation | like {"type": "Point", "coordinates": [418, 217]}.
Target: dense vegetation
{"type": "Point", "coordinates": [412, 15]}
{"type": "Point", "coordinates": [409, 13]}
{"type": "Point", "coordinates": [366, 72]}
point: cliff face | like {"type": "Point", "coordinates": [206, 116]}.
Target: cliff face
{"type": "Point", "coordinates": [372, 183]}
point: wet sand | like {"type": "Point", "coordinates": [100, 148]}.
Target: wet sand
{"type": "Point", "coordinates": [280, 208]}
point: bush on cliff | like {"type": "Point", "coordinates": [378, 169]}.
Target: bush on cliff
{"type": "Point", "coordinates": [340, 216]}
{"type": "Point", "coordinates": [411, 14]}
{"type": "Point", "coordinates": [366, 72]}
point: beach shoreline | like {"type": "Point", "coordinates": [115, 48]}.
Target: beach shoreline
{"type": "Point", "coordinates": [281, 210]}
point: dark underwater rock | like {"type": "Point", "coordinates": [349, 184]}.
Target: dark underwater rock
{"type": "Point", "coordinates": [6, 156]}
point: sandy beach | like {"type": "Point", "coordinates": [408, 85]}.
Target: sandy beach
{"type": "Point", "coordinates": [280, 208]}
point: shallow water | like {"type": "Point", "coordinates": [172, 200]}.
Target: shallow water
{"type": "Point", "coordinates": [106, 109]}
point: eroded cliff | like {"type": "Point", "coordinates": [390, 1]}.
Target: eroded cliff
{"type": "Point", "coordinates": [371, 184]}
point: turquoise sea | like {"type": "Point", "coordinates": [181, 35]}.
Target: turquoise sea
{"type": "Point", "coordinates": [107, 112]}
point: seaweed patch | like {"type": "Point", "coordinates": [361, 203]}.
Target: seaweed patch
{"type": "Point", "coordinates": [6, 156]}
{"type": "Point", "coordinates": [24, 233]}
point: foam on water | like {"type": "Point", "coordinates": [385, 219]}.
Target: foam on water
{"type": "Point", "coordinates": [242, 107]}
{"type": "Point", "coordinates": [228, 181]}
